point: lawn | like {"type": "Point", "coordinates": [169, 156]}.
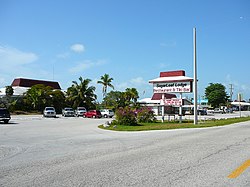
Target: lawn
{"type": "Point", "coordinates": [175, 125]}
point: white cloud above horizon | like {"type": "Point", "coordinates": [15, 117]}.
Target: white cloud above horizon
{"type": "Point", "coordinates": [86, 64]}
{"type": "Point", "coordinates": [78, 48]}
{"type": "Point", "coordinates": [13, 57]}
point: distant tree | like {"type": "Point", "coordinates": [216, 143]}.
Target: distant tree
{"type": "Point", "coordinates": [115, 99]}
{"type": "Point", "coordinates": [38, 97]}
{"type": "Point", "coordinates": [9, 91]}
{"type": "Point", "coordinates": [216, 94]}
{"type": "Point", "coordinates": [81, 94]}
{"type": "Point", "coordinates": [131, 95]}
{"type": "Point", "coordinates": [58, 100]}
{"type": "Point", "coordinates": [106, 82]}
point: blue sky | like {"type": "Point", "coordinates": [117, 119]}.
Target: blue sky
{"type": "Point", "coordinates": [131, 40]}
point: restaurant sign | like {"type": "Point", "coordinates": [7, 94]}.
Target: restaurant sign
{"type": "Point", "coordinates": [171, 102]}
{"type": "Point", "coordinates": [173, 87]}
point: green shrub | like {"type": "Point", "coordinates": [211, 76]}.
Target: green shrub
{"type": "Point", "coordinates": [125, 116]}
{"type": "Point", "coordinates": [145, 115]}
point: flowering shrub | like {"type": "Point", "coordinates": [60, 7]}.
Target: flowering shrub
{"type": "Point", "coordinates": [145, 115]}
{"type": "Point", "coordinates": [125, 116]}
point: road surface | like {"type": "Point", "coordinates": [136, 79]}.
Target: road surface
{"type": "Point", "coordinates": [37, 151]}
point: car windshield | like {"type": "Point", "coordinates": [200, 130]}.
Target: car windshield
{"type": "Point", "coordinates": [81, 109]}
{"type": "Point", "coordinates": [69, 109]}
{"type": "Point", "coordinates": [49, 108]}
{"type": "Point", "coordinates": [4, 111]}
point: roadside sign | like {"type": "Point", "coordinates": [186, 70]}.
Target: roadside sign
{"type": "Point", "coordinates": [172, 102]}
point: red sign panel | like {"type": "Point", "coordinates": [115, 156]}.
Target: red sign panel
{"type": "Point", "coordinates": [171, 102]}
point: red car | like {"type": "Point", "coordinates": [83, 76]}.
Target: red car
{"type": "Point", "coordinates": [93, 114]}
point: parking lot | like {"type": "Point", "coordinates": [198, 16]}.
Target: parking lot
{"type": "Point", "coordinates": [38, 151]}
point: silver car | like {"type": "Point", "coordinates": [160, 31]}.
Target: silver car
{"type": "Point", "coordinates": [49, 112]}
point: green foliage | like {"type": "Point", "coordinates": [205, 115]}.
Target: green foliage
{"type": "Point", "coordinates": [39, 96]}
{"type": "Point", "coordinates": [117, 99]}
{"type": "Point", "coordinates": [81, 94]}
{"type": "Point", "coordinates": [125, 116]}
{"type": "Point", "coordinates": [216, 94]}
{"type": "Point", "coordinates": [9, 91]}
{"type": "Point", "coordinates": [145, 115]}
{"type": "Point", "coordinates": [106, 82]}
{"type": "Point", "coordinates": [131, 95]}
{"type": "Point", "coordinates": [174, 125]}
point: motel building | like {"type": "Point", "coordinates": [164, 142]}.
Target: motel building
{"type": "Point", "coordinates": [167, 93]}
{"type": "Point", "coordinates": [21, 85]}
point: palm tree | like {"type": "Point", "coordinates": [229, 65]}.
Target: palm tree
{"type": "Point", "coordinates": [106, 82]}
{"type": "Point", "coordinates": [81, 94]}
{"type": "Point", "coordinates": [131, 94]}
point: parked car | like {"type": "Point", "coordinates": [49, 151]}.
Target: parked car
{"type": "Point", "coordinates": [218, 111]}
{"type": "Point", "coordinates": [80, 111]}
{"type": "Point", "coordinates": [201, 112]}
{"type": "Point", "coordinates": [107, 113]}
{"type": "Point", "coordinates": [49, 112]}
{"type": "Point", "coordinates": [68, 112]}
{"type": "Point", "coordinates": [93, 114]}
{"type": "Point", "coordinates": [4, 115]}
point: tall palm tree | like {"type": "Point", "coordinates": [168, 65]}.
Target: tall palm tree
{"type": "Point", "coordinates": [106, 82]}
{"type": "Point", "coordinates": [81, 94]}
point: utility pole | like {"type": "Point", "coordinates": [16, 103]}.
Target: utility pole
{"type": "Point", "coordinates": [231, 91]}
{"type": "Point", "coordinates": [195, 78]}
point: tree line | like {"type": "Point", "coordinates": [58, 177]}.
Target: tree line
{"type": "Point", "coordinates": [80, 93]}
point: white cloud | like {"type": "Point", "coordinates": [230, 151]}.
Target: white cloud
{"type": "Point", "coordinates": [138, 81]}
{"type": "Point", "coordinates": [86, 64]}
{"type": "Point", "coordinates": [78, 48]}
{"type": "Point", "coordinates": [13, 57]}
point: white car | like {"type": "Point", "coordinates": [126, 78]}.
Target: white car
{"type": "Point", "coordinates": [218, 111]}
{"type": "Point", "coordinates": [49, 112]}
{"type": "Point", "coordinates": [107, 113]}
{"type": "Point", "coordinates": [68, 112]}
{"type": "Point", "coordinates": [80, 111]}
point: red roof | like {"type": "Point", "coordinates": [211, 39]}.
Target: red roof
{"type": "Point", "coordinates": [158, 96]}
{"type": "Point", "coordinates": [172, 73]}
{"type": "Point", "coordinates": [22, 82]}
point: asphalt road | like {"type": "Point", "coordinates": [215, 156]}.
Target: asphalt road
{"type": "Point", "coordinates": [36, 151]}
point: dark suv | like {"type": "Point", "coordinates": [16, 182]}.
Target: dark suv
{"type": "Point", "coordinates": [4, 115]}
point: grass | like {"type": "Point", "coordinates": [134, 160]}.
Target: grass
{"type": "Point", "coordinates": [175, 125]}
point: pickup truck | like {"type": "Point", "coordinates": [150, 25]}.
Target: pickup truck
{"type": "Point", "coordinates": [68, 112]}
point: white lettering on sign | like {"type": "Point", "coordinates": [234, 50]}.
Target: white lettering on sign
{"type": "Point", "coordinates": [171, 102]}
{"type": "Point", "coordinates": [172, 87]}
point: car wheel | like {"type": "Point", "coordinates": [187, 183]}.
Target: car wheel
{"type": "Point", "coordinates": [106, 116]}
{"type": "Point", "coordinates": [6, 121]}
{"type": "Point", "coordinates": [93, 116]}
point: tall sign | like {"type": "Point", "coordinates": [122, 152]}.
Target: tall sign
{"type": "Point", "coordinates": [173, 87]}
{"type": "Point", "coordinates": [172, 82]}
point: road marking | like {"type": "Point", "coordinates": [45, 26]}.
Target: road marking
{"type": "Point", "coordinates": [239, 170]}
